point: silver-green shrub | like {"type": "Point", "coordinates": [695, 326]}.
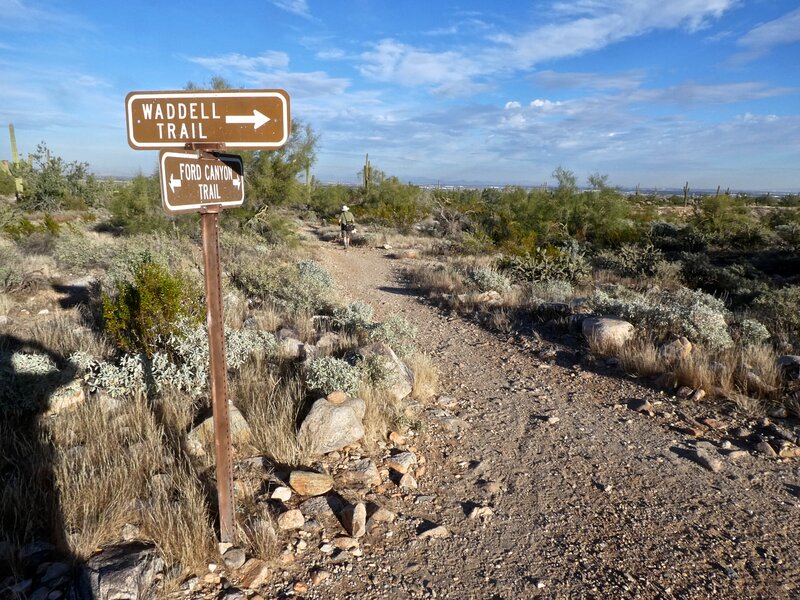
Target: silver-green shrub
{"type": "Point", "coordinates": [487, 279]}
{"type": "Point", "coordinates": [753, 332]}
{"type": "Point", "coordinates": [328, 374]}
{"type": "Point", "coordinates": [397, 332]}
{"type": "Point", "coordinates": [356, 315]}
{"type": "Point", "coordinates": [694, 314]}
{"type": "Point", "coordinates": [551, 291]}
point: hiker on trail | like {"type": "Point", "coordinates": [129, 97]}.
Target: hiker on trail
{"type": "Point", "coordinates": [348, 223]}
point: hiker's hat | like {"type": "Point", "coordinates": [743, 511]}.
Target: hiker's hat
{"type": "Point", "coordinates": [344, 208]}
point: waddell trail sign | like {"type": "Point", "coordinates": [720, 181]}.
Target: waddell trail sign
{"type": "Point", "coordinates": [202, 179]}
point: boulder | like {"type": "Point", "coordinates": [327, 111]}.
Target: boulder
{"type": "Point", "coordinates": [676, 350]}
{"type": "Point", "coordinates": [329, 341]}
{"type": "Point", "coordinates": [790, 366]}
{"type": "Point", "coordinates": [354, 519]}
{"type": "Point", "coordinates": [120, 571]}
{"type": "Point", "coordinates": [329, 427]}
{"type": "Point", "coordinates": [607, 332]}
{"type": "Point", "coordinates": [240, 430]}
{"type": "Point", "coordinates": [310, 483]}
{"type": "Point", "coordinates": [361, 473]}
{"type": "Point", "coordinates": [65, 398]}
{"type": "Point", "coordinates": [400, 379]}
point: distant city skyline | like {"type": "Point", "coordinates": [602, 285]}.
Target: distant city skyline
{"type": "Point", "coordinates": [649, 92]}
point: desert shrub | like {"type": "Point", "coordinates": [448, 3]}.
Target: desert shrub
{"type": "Point", "coordinates": [7, 185]}
{"type": "Point", "coordinates": [144, 310]}
{"type": "Point", "coordinates": [550, 291]}
{"type": "Point", "coordinates": [18, 273]}
{"type": "Point", "coordinates": [692, 313]}
{"type": "Point", "coordinates": [740, 283]}
{"type": "Point", "coordinates": [327, 374]}
{"type": "Point", "coordinates": [356, 315]}
{"type": "Point", "coordinates": [753, 332]}
{"type": "Point", "coordinates": [548, 263]}
{"type": "Point", "coordinates": [671, 237]}
{"type": "Point", "coordinates": [272, 227]}
{"type": "Point", "coordinates": [789, 235]}
{"type": "Point", "coordinates": [50, 183]}
{"type": "Point", "coordinates": [305, 286]}
{"type": "Point", "coordinates": [73, 249]}
{"type": "Point", "coordinates": [487, 279]}
{"type": "Point", "coordinates": [397, 332]}
{"type": "Point", "coordinates": [778, 309]}
{"type": "Point", "coordinates": [632, 260]}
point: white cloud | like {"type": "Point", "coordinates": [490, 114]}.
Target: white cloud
{"type": "Point", "coordinates": [331, 54]}
{"type": "Point", "coordinates": [296, 7]}
{"type": "Point", "coordinates": [270, 69]}
{"type": "Point", "coordinates": [27, 16]}
{"type": "Point", "coordinates": [448, 72]}
{"type": "Point", "coordinates": [512, 104]}
{"type": "Point", "coordinates": [760, 40]}
{"type": "Point", "coordinates": [544, 105]}
{"type": "Point", "coordinates": [592, 81]}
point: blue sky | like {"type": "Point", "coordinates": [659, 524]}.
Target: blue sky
{"type": "Point", "coordinates": [650, 92]}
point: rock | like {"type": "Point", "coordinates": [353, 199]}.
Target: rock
{"type": "Point", "coordinates": [764, 448]}
{"type": "Point", "coordinates": [788, 450]}
{"type": "Point", "coordinates": [282, 493]}
{"type": "Point", "coordinates": [204, 432]}
{"type": "Point", "coordinates": [408, 482]}
{"type": "Point", "coordinates": [640, 405]}
{"type": "Point", "coordinates": [380, 515]}
{"type": "Point", "coordinates": [319, 575]}
{"type": "Point", "coordinates": [354, 519]}
{"type": "Point", "coordinates": [55, 595]}
{"type": "Point", "coordinates": [66, 397]}
{"type": "Point", "coordinates": [361, 473]}
{"type": "Point", "coordinates": [309, 483]}
{"type": "Point", "coordinates": [400, 379]}
{"type": "Point", "coordinates": [329, 341]}
{"type": "Point", "coordinates": [607, 332]}
{"type": "Point", "coordinates": [553, 420]}
{"type": "Point", "coordinates": [120, 571]}
{"type": "Point", "coordinates": [337, 397]}
{"type": "Point", "coordinates": [676, 350]}
{"type": "Point", "coordinates": [300, 588]}
{"type": "Point", "coordinates": [402, 462]}
{"type": "Point", "coordinates": [235, 557]}
{"type": "Point", "coordinates": [707, 457]}
{"type": "Point", "coordinates": [329, 427]}
{"type": "Point", "coordinates": [790, 366]}
{"type": "Point", "coordinates": [345, 543]}
{"type": "Point", "coordinates": [409, 253]}
{"type": "Point", "coordinates": [54, 572]}
{"type": "Point", "coordinates": [322, 506]}
{"type": "Point", "coordinates": [285, 333]}
{"type": "Point", "coordinates": [291, 519]}
{"type": "Point", "coordinates": [292, 348]}
{"type": "Point", "coordinates": [40, 594]}
{"type": "Point", "coordinates": [397, 439]}
{"type": "Point", "coordinates": [326, 548]}
{"type": "Point", "coordinates": [490, 298]}
{"type": "Point", "coordinates": [684, 391]}
{"type": "Point", "coordinates": [254, 573]}
{"type": "Point", "coordinates": [21, 587]}
{"type": "Point", "coordinates": [738, 454]}
{"type": "Point", "coordinates": [435, 533]}
{"type": "Point", "coordinates": [778, 412]}
{"type": "Point", "coordinates": [481, 512]}
{"type": "Point", "coordinates": [697, 395]}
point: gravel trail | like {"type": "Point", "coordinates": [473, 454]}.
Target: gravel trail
{"type": "Point", "coordinates": [588, 498]}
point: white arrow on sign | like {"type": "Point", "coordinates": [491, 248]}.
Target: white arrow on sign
{"type": "Point", "coordinates": [236, 183]}
{"type": "Point", "coordinates": [257, 119]}
{"type": "Point", "coordinates": [174, 183]}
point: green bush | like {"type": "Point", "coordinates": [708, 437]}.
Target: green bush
{"type": "Point", "coordinates": [135, 207]}
{"type": "Point", "coordinates": [778, 309]}
{"type": "Point", "coordinates": [141, 313]}
{"type": "Point", "coordinates": [487, 279]}
{"type": "Point", "coordinates": [328, 374]}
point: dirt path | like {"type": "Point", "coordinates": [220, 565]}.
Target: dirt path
{"type": "Point", "coordinates": [599, 502]}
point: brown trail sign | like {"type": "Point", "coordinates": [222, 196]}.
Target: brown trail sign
{"type": "Point", "coordinates": [207, 182]}
{"type": "Point", "coordinates": [236, 118]}
{"type": "Point", "coordinates": [189, 182]}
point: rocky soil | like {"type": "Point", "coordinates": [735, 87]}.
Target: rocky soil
{"type": "Point", "coordinates": [552, 475]}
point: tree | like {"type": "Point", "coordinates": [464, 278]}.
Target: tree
{"type": "Point", "coordinates": [597, 181]}
{"type": "Point", "coordinates": [567, 182]}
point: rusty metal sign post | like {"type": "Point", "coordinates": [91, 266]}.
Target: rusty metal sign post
{"type": "Point", "coordinates": [204, 180]}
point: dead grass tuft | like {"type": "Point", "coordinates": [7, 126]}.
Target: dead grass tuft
{"type": "Point", "coordinates": [640, 356]}
{"type": "Point", "coordinates": [426, 376]}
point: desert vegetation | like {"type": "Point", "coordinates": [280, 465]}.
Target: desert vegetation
{"type": "Point", "coordinates": [104, 403]}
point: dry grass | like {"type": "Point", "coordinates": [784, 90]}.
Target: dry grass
{"type": "Point", "coordinates": [640, 356]}
{"type": "Point", "coordinates": [271, 403]}
{"type": "Point", "coordinates": [65, 335]}
{"type": "Point", "coordinates": [6, 303]}
{"type": "Point", "coordinates": [436, 279]}
{"type": "Point", "coordinates": [383, 411]}
{"type": "Point", "coordinates": [426, 376]}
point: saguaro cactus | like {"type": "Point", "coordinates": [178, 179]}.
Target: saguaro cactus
{"type": "Point", "coordinates": [367, 174]}
{"type": "Point", "coordinates": [15, 156]}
